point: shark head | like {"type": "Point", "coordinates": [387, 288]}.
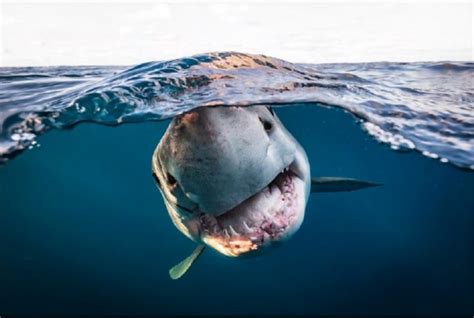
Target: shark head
{"type": "Point", "coordinates": [232, 178]}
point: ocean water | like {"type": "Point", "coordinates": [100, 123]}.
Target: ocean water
{"type": "Point", "coordinates": [85, 230]}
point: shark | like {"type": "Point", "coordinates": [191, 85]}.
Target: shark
{"type": "Point", "coordinates": [234, 179]}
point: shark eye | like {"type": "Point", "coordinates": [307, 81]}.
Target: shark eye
{"type": "Point", "coordinates": [267, 125]}
{"type": "Point", "coordinates": [171, 180]}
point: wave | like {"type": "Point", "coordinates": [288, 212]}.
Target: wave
{"type": "Point", "coordinates": [427, 106]}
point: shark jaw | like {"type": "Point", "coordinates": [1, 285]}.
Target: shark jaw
{"type": "Point", "coordinates": [272, 215]}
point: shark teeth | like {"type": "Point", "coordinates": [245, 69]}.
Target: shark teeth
{"type": "Point", "coordinates": [247, 227]}
{"type": "Point", "coordinates": [265, 217]}
{"type": "Point", "coordinates": [232, 231]}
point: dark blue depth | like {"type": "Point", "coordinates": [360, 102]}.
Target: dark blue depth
{"type": "Point", "coordinates": [84, 231]}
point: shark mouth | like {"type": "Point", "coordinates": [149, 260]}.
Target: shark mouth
{"type": "Point", "coordinates": [271, 215]}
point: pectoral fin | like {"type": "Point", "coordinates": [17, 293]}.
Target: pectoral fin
{"type": "Point", "coordinates": [182, 267]}
{"type": "Point", "coordinates": [335, 184]}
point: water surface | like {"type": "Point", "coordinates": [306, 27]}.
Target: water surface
{"type": "Point", "coordinates": [424, 106]}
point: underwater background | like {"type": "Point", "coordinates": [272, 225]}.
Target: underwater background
{"type": "Point", "coordinates": [85, 230]}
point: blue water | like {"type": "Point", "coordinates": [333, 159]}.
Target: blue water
{"type": "Point", "coordinates": [85, 230]}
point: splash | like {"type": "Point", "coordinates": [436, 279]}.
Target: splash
{"type": "Point", "coordinates": [427, 106]}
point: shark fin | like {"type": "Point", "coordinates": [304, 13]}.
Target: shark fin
{"type": "Point", "coordinates": [182, 267]}
{"type": "Point", "coordinates": [335, 184]}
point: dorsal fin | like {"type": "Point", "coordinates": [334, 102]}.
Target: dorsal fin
{"type": "Point", "coordinates": [336, 184]}
{"type": "Point", "coordinates": [182, 267]}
